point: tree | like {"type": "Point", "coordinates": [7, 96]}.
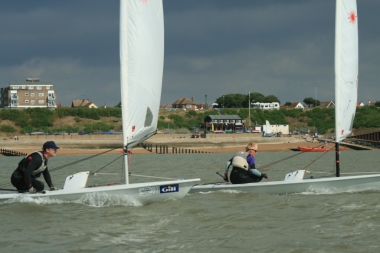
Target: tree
{"type": "Point", "coordinates": [257, 97]}
{"type": "Point", "coordinates": [288, 103]}
{"type": "Point", "coordinates": [311, 101]}
{"type": "Point", "coordinates": [271, 99]}
{"type": "Point", "coordinates": [231, 101]}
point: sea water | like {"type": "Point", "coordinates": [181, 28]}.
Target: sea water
{"type": "Point", "coordinates": [224, 221]}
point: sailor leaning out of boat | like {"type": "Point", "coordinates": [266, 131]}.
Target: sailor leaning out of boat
{"type": "Point", "coordinates": [243, 167]}
{"type": "Point", "coordinates": [31, 167]}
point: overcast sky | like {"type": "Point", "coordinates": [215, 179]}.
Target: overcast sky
{"type": "Point", "coordinates": [212, 47]}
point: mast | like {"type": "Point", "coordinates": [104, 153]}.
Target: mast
{"type": "Point", "coordinates": [337, 168]}
{"type": "Point", "coordinates": [124, 84]}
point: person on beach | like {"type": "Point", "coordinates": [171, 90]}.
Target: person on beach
{"type": "Point", "coordinates": [243, 167]}
{"type": "Point", "coordinates": [31, 167]}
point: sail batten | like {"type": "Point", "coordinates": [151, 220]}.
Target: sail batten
{"type": "Point", "coordinates": [346, 67]}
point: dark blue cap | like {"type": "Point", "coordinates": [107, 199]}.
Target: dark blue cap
{"type": "Point", "coordinates": [50, 144]}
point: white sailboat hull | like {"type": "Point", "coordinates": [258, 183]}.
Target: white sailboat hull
{"type": "Point", "coordinates": [333, 184]}
{"type": "Point", "coordinates": [143, 193]}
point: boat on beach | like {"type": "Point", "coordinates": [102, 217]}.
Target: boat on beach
{"type": "Point", "coordinates": [268, 132]}
{"type": "Point", "coordinates": [346, 89]}
{"type": "Point", "coordinates": [141, 70]}
{"type": "Point", "coordinates": [313, 149]}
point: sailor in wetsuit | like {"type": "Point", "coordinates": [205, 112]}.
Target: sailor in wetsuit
{"type": "Point", "coordinates": [31, 167]}
{"type": "Point", "coordinates": [243, 167]}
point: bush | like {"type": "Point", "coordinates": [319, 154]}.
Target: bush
{"type": "Point", "coordinates": [178, 120]}
{"type": "Point", "coordinates": [98, 127]}
{"type": "Point", "coordinates": [7, 129]}
{"type": "Point", "coordinates": [191, 113]}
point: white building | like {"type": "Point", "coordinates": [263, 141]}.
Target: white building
{"type": "Point", "coordinates": [29, 94]}
{"type": "Point", "coordinates": [266, 106]}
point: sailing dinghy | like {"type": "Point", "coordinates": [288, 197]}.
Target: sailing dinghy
{"type": "Point", "coordinates": [141, 60]}
{"type": "Point", "coordinates": [346, 88]}
{"type": "Point", "coordinates": [268, 132]}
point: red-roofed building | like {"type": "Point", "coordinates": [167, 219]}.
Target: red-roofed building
{"type": "Point", "coordinates": [83, 103]}
{"type": "Point", "coordinates": [294, 105]}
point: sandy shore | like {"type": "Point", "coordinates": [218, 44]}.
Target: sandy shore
{"type": "Point", "coordinates": [77, 145]}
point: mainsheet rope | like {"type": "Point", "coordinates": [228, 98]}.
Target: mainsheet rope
{"type": "Point", "coordinates": [286, 158]}
{"type": "Point", "coordinates": [81, 160]}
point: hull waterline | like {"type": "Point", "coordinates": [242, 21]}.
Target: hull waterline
{"type": "Point", "coordinates": [144, 193]}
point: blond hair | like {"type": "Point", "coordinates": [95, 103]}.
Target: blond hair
{"type": "Point", "coordinates": [251, 145]}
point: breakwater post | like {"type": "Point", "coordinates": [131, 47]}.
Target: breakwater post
{"type": "Point", "coordinates": [164, 149]}
{"type": "Point", "coordinates": [9, 152]}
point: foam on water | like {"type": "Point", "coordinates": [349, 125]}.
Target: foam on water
{"type": "Point", "coordinates": [329, 190]}
{"type": "Point", "coordinates": [25, 198]}
{"type": "Point", "coordinates": [90, 199]}
{"type": "Point", "coordinates": [105, 200]}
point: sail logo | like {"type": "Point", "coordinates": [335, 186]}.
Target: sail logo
{"type": "Point", "coordinates": [352, 17]}
{"type": "Point", "coordinates": [169, 188]}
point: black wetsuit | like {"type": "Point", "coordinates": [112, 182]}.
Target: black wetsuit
{"type": "Point", "coordinates": [242, 176]}
{"type": "Point", "coordinates": [24, 177]}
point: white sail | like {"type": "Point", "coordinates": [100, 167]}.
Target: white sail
{"type": "Point", "coordinates": [346, 67]}
{"type": "Point", "coordinates": [141, 67]}
{"type": "Point", "coordinates": [268, 127]}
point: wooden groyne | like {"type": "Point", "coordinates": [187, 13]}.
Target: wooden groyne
{"type": "Point", "coordinates": [361, 145]}
{"type": "Point", "coordinates": [9, 152]}
{"type": "Point", "coordinates": [164, 149]}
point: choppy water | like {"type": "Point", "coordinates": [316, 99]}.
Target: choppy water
{"type": "Point", "coordinates": [228, 221]}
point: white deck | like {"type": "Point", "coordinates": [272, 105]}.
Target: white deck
{"type": "Point", "coordinates": [349, 183]}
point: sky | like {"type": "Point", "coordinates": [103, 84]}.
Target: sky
{"type": "Point", "coordinates": [212, 47]}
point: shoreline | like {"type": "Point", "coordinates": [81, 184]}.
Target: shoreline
{"type": "Point", "coordinates": [91, 145]}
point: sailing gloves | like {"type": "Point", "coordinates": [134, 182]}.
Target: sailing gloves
{"type": "Point", "coordinates": [52, 188]}
{"type": "Point", "coordinates": [32, 190]}
{"type": "Point", "coordinates": [225, 177]}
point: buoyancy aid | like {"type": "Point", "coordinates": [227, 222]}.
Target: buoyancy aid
{"type": "Point", "coordinates": [240, 162]}
{"type": "Point", "coordinates": [25, 161]}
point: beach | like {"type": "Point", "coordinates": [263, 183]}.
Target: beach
{"type": "Point", "coordinates": [213, 143]}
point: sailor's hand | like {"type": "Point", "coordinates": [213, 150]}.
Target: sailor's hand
{"type": "Point", "coordinates": [32, 190]}
{"type": "Point", "coordinates": [264, 175]}
{"type": "Point", "coordinates": [52, 188]}
{"type": "Point", "coordinates": [225, 177]}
